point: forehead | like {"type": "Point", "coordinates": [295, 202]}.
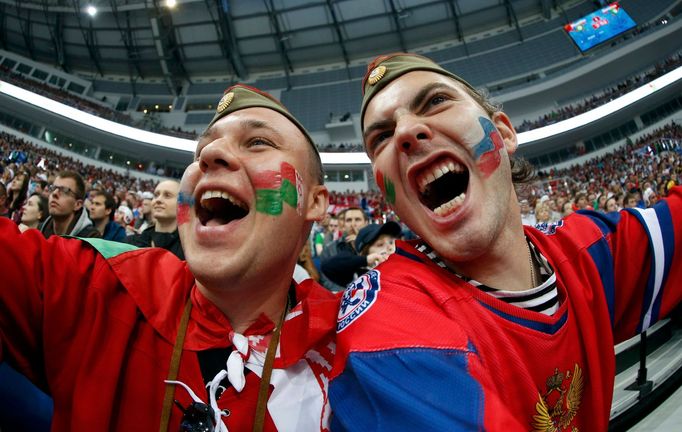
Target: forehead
{"type": "Point", "coordinates": [167, 186]}
{"type": "Point", "coordinates": [401, 90]}
{"type": "Point", "coordinates": [353, 214]}
{"type": "Point", "coordinates": [65, 181]}
{"type": "Point", "coordinates": [99, 199]}
{"type": "Point", "coordinates": [239, 122]}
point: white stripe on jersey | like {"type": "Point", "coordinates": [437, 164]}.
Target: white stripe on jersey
{"type": "Point", "coordinates": [654, 229]}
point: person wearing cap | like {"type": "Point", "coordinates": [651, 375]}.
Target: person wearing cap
{"type": "Point", "coordinates": [145, 220]}
{"type": "Point", "coordinates": [376, 242]}
{"type": "Point", "coordinates": [127, 338]}
{"type": "Point", "coordinates": [483, 323]}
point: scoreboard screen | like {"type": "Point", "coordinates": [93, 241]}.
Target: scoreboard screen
{"type": "Point", "coordinates": [599, 26]}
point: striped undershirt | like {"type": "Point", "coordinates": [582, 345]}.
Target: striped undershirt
{"type": "Point", "coordinates": [543, 298]}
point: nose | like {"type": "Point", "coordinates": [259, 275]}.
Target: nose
{"type": "Point", "coordinates": [217, 155]}
{"type": "Point", "coordinates": [411, 132]}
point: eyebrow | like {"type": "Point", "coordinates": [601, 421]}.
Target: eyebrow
{"type": "Point", "coordinates": [244, 124]}
{"type": "Point", "coordinates": [414, 105]}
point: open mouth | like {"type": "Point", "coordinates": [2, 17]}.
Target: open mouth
{"type": "Point", "coordinates": [217, 208]}
{"type": "Point", "coordinates": [443, 186]}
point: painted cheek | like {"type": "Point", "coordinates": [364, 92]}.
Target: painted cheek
{"type": "Point", "coordinates": [487, 151]}
{"type": "Point", "coordinates": [185, 196]}
{"type": "Point", "coordinates": [273, 189]}
{"type": "Point", "coordinates": [386, 186]}
{"type": "Point", "coordinates": [185, 205]}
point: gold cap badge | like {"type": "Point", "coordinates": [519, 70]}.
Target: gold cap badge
{"type": "Point", "coordinates": [376, 74]}
{"type": "Point", "coordinates": [225, 101]}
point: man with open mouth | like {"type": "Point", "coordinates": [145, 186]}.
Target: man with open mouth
{"type": "Point", "coordinates": [482, 323]}
{"type": "Point", "coordinates": [136, 339]}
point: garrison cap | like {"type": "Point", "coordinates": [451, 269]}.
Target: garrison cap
{"type": "Point", "coordinates": [385, 68]}
{"type": "Point", "coordinates": [240, 96]}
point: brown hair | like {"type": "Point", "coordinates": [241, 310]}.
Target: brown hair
{"type": "Point", "coordinates": [80, 184]}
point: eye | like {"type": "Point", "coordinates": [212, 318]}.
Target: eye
{"type": "Point", "coordinates": [259, 141]}
{"type": "Point", "coordinates": [378, 140]}
{"type": "Point", "coordinates": [437, 100]}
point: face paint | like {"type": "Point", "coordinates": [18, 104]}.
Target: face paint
{"type": "Point", "coordinates": [487, 151]}
{"type": "Point", "coordinates": [387, 187]}
{"type": "Point", "coordinates": [275, 188]}
{"type": "Point", "coordinates": [185, 204]}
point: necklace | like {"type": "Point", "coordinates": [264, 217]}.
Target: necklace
{"type": "Point", "coordinates": [533, 278]}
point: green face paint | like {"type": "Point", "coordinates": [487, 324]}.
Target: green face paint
{"type": "Point", "coordinates": [390, 190]}
{"type": "Point", "coordinates": [387, 187]}
{"type": "Point", "coordinates": [275, 188]}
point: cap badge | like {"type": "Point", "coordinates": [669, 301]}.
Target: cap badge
{"type": "Point", "coordinates": [225, 101]}
{"type": "Point", "coordinates": [376, 74]}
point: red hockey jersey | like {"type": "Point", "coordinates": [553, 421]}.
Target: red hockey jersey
{"type": "Point", "coordinates": [94, 324]}
{"type": "Point", "coordinates": [421, 349]}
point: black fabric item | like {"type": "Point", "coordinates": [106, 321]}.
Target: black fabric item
{"type": "Point", "coordinates": [168, 241]}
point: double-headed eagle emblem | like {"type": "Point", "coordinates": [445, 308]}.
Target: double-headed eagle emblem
{"type": "Point", "coordinates": [558, 406]}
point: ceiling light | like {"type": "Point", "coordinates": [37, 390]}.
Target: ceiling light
{"type": "Point", "coordinates": [171, 3]}
{"type": "Point", "coordinates": [91, 10]}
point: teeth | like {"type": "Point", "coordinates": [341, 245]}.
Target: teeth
{"type": "Point", "coordinates": [450, 206]}
{"type": "Point", "coordinates": [438, 171]}
{"type": "Point", "coordinates": [207, 195]}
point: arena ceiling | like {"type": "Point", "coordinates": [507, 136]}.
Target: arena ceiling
{"type": "Point", "coordinates": [145, 39]}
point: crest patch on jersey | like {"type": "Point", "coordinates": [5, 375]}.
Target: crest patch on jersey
{"type": "Point", "coordinates": [358, 298]}
{"type": "Point", "coordinates": [549, 228]}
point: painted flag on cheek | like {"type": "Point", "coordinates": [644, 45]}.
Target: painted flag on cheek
{"type": "Point", "coordinates": [487, 151]}
{"type": "Point", "coordinates": [185, 203]}
{"type": "Point", "coordinates": [273, 189]}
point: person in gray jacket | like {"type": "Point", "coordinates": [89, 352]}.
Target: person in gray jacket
{"type": "Point", "coordinates": [67, 214]}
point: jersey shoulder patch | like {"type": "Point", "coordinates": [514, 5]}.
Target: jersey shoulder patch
{"type": "Point", "coordinates": [358, 297]}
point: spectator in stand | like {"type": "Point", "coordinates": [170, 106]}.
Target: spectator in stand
{"type": "Point", "coordinates": [582, 202]}
{"type": "Point", "coordinates": [164, 233]}
{"type": "Point", "coordinates": [612, 204]}
{"type": "Point", "coordinates": [67, 215]}
{"type": "Point", "coordinates": [34, 213]}
{"type": "Point", "coordinates": [542, 214]}
{"type": "Point", "coordinates": [4, 210]}
{"type": "Point", "coordinates": [332, 230]}
{"type": "Point", "coordinates": [527, 216]}
{"type": "Point", "coordinates": [305, 267]}
{"type": "Point", "coordinates": [345, 261]}
{"type": "Point", "coordinates": [568, 209]}
{"type": "Point", "coordinates": [123, 216]}
{"type": "Point", "coordinates": [145, 220]}
{"type": "Point", "coordinates": [101, 213]}
{"type": "Point", "coordinates": [600, 202]}
{"type": "Point", "coordinates": [376, 242]}
{"type": "Point", "coordinates": [632, 200]}
{"type": "Point", "coordinates": [17, 194]}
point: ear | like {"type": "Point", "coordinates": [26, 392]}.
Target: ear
{"type": "Point", "coordinates": [79, 204]}
{"type": "Point", "coordinates": [318, 202]}
{"type": "Point", "coordinates": [507, 131]}
{"type": "Point", "coordinates": [108, 211]}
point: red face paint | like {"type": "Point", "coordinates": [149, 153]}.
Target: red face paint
{"type": "Point", "coordinates": [185, 204]}
{"type": "Point", "coordinates": [487, 151]}
{"type": "Point", "coordinates": [380, 181]}
{"type": "Point", "coordinates": [267, 179]}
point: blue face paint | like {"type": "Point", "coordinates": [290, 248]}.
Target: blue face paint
{"type": "Point", "coordinates": [185, 203]}
{"type": "Point", "coordinates": [487, 151]}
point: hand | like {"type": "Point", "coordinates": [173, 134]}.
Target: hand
{"type": "Point", "coordinates": [376, 258]}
